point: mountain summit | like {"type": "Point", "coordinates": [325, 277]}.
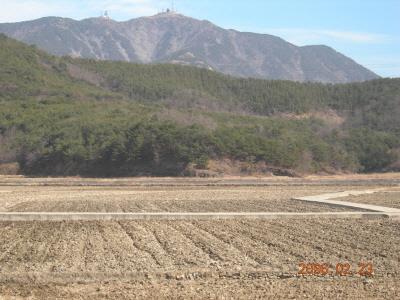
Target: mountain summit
{"type": "Point", "coordinates": [173, 38]}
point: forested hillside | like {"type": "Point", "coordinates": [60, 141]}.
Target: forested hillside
{"type": "Point", "coordinates": [62, 116]}
{"type": "Point", "coordinates": [187, 86]}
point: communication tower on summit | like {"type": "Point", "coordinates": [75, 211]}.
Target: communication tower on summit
{"type": "Point", "coordinates": [105, 15]}
{"type": "Point", "coordinates": [170, 10]}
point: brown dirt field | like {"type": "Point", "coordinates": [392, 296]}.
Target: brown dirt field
{"type": "Point", "coordinates": [387, 198]}
{"type": "Point", "coordinates": [166, 199]}
{"type": "Point", "coordinates": [176, 259]}
{"type": "Point", "coordinates": [195, 259]}
{"type": "Point", "coordinates": [251, 286]}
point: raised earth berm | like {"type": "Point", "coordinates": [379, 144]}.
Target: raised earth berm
{"type": "Point", "coordinates": [329, 199]}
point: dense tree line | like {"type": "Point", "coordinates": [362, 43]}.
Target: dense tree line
{"type": "Point", "coordinates": [92, 139]}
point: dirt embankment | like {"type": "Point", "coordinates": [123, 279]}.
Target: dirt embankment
{"type": "Point", "coordinates": [9, 168]}
{"type": "Point", "coordinates": [228, 167]}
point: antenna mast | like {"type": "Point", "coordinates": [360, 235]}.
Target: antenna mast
{"type": "Point", "coordinates": [105, 15]}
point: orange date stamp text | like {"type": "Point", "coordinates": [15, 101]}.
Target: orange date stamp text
{"type": "Point", "coordinates": [340, 269]}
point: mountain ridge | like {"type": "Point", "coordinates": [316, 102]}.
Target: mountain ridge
{"type": "Point", "coordinates": [175, 38]}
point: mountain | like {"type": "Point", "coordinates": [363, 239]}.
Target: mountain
{"type": "Point", "coordinates": [174, 38]}
{"type": "Point", "coordinates": [68, 116]}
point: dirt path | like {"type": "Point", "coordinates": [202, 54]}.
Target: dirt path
{"type": "Point", "coordinates": [326, 199]}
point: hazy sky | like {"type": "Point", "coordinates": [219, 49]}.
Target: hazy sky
{"type": "Point", "coordinates": [366, 30]}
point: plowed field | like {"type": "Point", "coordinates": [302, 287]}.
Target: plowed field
{"type": "Point", "coordinates": [388, 198]}
{"type": "Point", "coordinates": [182, 259]}
{"type": "Point", "coordinates": [166, 199]}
